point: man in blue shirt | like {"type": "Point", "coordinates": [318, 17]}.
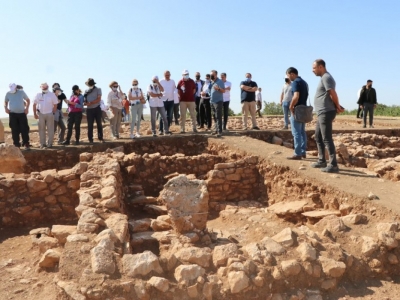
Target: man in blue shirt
{"type": "Point", "coordinates": [217, 89]}
{"type": "Point", "coordinates": [300, 95]}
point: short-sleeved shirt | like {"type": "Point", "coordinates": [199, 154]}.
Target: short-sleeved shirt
{"type": "Point", "coordinates": [287, 93]}
{"type": "Point", "coordinates": [322, 100]}
{"type": "Point", "coordinates": [299, 85]}
{"type": "Point", "coordinates": [258, 96]}
{"type": "Point", "coordinates": [169, 88]}
{"type": "Point", "coordinates": [248, 96]}
{"type": "Point", "coordinates": [216, 96]}
{"type": "Point", "coordinates": [227, 94]}
{"type": "Point", "coordinates": [45, 102]}
{"type": "Point", "coordinates": [92, 96]}
{"type": "Point", "coordinates": [189, 86]}
{"type": "Point", "coordinates": [16, 103]}
{"type": "Point", "coordinates": [61, 97]}
{"type": "Point", "coordinates": [155, 101]}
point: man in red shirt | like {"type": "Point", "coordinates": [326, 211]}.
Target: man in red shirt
{"type": "Point", "coordinates": [187, 90]}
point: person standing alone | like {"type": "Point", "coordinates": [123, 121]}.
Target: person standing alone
{"type": "Point", "coordinates": [286, 97]}
{"type": "Point", "coordinates": [367, 102]}
{"type": "Point", "coordinates": [326, 105]}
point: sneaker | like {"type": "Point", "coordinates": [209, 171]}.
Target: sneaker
{"type": "Point", "coordinates": [256, 128]}
{"type": "Point", "coordinates": [65, 143]}
{"type": "Point", "coordinates": [91, 142]}
{"type": "Point", "coordinates": [218, 135]}
{"type": "Point", "coordinates": [208, 129]}
{"type": "Point", "coordinates": [137, 135]}
{"type": "Point", "coordinates": [183, 131]}
{"type": "Point", "coordinates": [168, 132]}
{"type": "Point", "coordinates": [114, 138]}
{"type": "Point", "coordinates": [330, 169]}
{"type": "Point", "coordinates": [102, 141]}
{"type": "Point", "coordinates": [285, 127]}
{"type": "Point", "coordinates": [245, 128]}
{"type": "Point", "coordinates": [154, 135]}
{"type": "Point", "coordinates": [50, 146]}
{"type": "Point", "coordinates": [77, 143]}
{"type": "Point", "coordinates": [60, 143]}
{"type": "Point", "coordinates": [200, 127]}
{"type": "Point", "coordinates": [161, 133]}
{"type": "Point", "coordinates": [43, 147]}
{"type": "Point", "coordinates": [371, 126]}
{"type": "Point", "coordinates": [295, 157]}
{"type": "Point", "coordinates": [132, 136]}
{"type": "Point", "coordinates": [27, 146]}
{"type": "Point", "coordinates": [304, 155]}
{"type": "Point", "coordinates": [213, 132]}
{"type": "Point", "coordinates": [176, 123]}
{"type": "Point", "coordinates": [195, 130]}
{"type": "Point", "coordinates": [319, 164]}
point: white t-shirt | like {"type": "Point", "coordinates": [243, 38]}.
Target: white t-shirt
{"type": "Point", "coordinates": [155, 101]}
{"type": "Point", "coordinates": [169, 88]}
{"type": "Point", "coordinates": [135, 93]}
{"type": "Point", "coordinates": [227, 94]}
{"type": "Point", "coordinates": [258, 96]}
{"type": "Point", "coordinates": [198, 83]}
{"type": "Point", "coordinates": [45, 102]}
{"type": "Point", "coordinates": [287, 93]}
{"type": "Point", "coordinates": [176, 96]}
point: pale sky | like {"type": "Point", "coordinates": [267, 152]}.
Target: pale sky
{"type": "Point", "coordinates": [69, 41]}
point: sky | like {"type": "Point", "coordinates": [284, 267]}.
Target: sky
{"type": "Point", "coordinates": [69, 41]}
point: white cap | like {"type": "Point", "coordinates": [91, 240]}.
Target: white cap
{"type": "Point", "coordinates": [154, 77]}
{"type": "Point", "coordinates": [12, 87]}
{"type": "Point", "coordinates": [286, 77]}
{"type": "Point", "coordinates": [184, 72]}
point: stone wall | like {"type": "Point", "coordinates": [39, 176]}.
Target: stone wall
{"type": "Point", "coordinates": [149, 170]}
{"type": "Point", "coordinates": [39, 198]}
{"type": "Point", "coordinates": [234, 181]}
{"type": "Point", "coordinates": [67, 157]}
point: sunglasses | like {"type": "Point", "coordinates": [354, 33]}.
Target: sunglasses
{"type": "Point", "coordinates": [115, 86]}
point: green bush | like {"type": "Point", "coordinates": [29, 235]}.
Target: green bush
{"type": "Point", "coordinates": [380, 110]}
{"type": "Point", "coordinates": [272, 108]}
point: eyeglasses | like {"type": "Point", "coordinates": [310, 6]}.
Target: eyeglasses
{"type": "Point", "coordinates": [115, 86]}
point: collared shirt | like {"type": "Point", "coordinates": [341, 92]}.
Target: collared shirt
{"type": "Point", "coordinates": [206, 89]}
{"type": "Point", "coordinates": [227, 94]}
{"type": "Point", "coordinates": [185, 90]}
{"type": "Point", "coordinates": [299, 85]}
{"type": "Point", "coordinates": [45, 102]}
{"type": "Point", "coordinates": [199, 85]}
{"type": "Point", "coordinates": [16, 103]}
{"type": "Point", "coordinates": [92, 96]}
{"type": "Point", "coordinates": [248, 96]}
{"type": "Point", "coordinates": [114, 99]}
{"type": "Point", "coordinates": [155, 101]}
{"type": "Point", "coordinates": [258, 96]}
{"type": "Point", "coordinates": [216, 96]}
{"type": "Point", "coordinates": [322, 100]}
{"type": "Point", "coordinates": [135, 93]}
{"type": "Point", "coordinates": [169, 88]}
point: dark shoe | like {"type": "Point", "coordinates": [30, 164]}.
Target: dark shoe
{"type": "Point", "coordinates": [49, 146]}
{"type": "Point", "coordinates": [365, 126]}
{"type": "Point", "coordinates": [43, 147]}
{"type": "Point", "coordinates": [200, 127]}
{"type": "Point", "coordinates": [168, 132]}
{"type": "Point", "coordinates": [91, 142]}
{"type": "Point", "coordinates": [102, 141]}
{"type": "Point", "coordinates": [218, 134]}
{"type": "Point", "coordinates": [195, 130]}
{"type": "Point", "coordinates": [285, 127]}
{"type": "Point", "coordinates": [176, 123]}
{"type": "Point", "coordinates": [65, 143]}
{"type": "Point", "coordinates": [319, 164]}
{"type": "Point", "coordinates": [154, 135]}
{"type": "Point", "coordinates": [77, 143]}
{"type": "Point", "coordinates": [304, 155]}
{"type": "Point", "coordinates": [161, 133]}
{"type": "Point", "coordinates": [183, 131]}
{"type": "Point", "coordinates": [256, 128]}
{"type": "Point", "coordinates": [295, 157]}
{"type": "Point", "coordinates": [27, 146]}
{"type": "Point", "coordinates": [330, 169]}
{"type": "Point", "coordinates": [213, 132]}
{"type": "Point", "coordinates": [371, 126]}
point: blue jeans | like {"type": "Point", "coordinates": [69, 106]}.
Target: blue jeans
{"type": "Point", "coordinates": [169, 109]}
{"type": "Point", "coordinates": [299, 137]}
{"type": "Point", "coordinates": [285, 108]}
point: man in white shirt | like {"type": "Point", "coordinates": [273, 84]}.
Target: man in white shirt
{"type": "Point", "coordinates": [44, 107]}
{"type": "Point", "coordinates": [169, 87]}
{"type": "Point", "coordinates": [205, 102]}
{"type": "Point", "coordinates": [259, 102]}
{"type": "Point", "coordinates": [286, 98]}
{"type": "Point", "coordinates": [227, 98]}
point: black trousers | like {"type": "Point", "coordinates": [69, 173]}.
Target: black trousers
{"type": "Point", "coordinates": [74, 118]}
{"type": "Point", "coordinates": [205, 104]}
{"type": "Point", "coordinates": [94, 114]}
{"type": "Point", "coordinates": [226, 113]}
{"type": "Point", "coordinates": [176, 112]}
{"type": "Point", "coordinates": [217, 111]}
{"type": "Point", "coordinates": [200, 112]}
{"type": "Point", "coordinates": [19, 126]}
{"type": "Point", "coordinates": [368, 110]}
{"type": "Point", "coordinates": [360, 112]}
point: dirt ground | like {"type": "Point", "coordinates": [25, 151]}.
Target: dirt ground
{"type": "Point", "coordinates": [20, 277]}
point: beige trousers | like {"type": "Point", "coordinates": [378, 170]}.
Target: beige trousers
{"type": "Point", "coordinates": [191, 106]}
{"type": "Point", "coordinates": [249, 107]}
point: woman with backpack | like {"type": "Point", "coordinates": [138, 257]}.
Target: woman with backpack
{"type": "Point", "coordinates": [136, 101]}
{"type": "Point", "coordinates": [75, 107]}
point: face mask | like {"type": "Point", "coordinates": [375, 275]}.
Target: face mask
{"type": "Point", "coordinates": [91, 86]}
{"type": "Point", "coordinates": [114, 89]}
{"type": "Point", "coordinates": [212, 77]}
{"type": "Point", "coordinates": [248, 79]}
{"type": "Point", "coordinates": [155, 84]}
{"type": "Point", "coordinates": [134, 86]}
{"type": "Point", "coordinates": [45, 91]}
{"type": "Point", "coordinates": [186, 76]}
{"type": "Point", "coordinates": [197, 77]}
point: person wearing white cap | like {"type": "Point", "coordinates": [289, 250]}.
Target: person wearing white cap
{"type": "Point", "coordinates": [16, 105]}
{"type": "Point", "coordinates": [44, 108]}
{"type": "Point", "coordinates": [286, 98]}
{"type": "Point", "coordinates": [156, 103]}
{"type": "Point", "coordinates": [187, 90]}
{"type": "Point", "coordinates": [259, 102]}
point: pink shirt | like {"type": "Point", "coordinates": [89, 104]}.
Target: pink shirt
{"type": "Point", "coordinates": [72, 108]}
